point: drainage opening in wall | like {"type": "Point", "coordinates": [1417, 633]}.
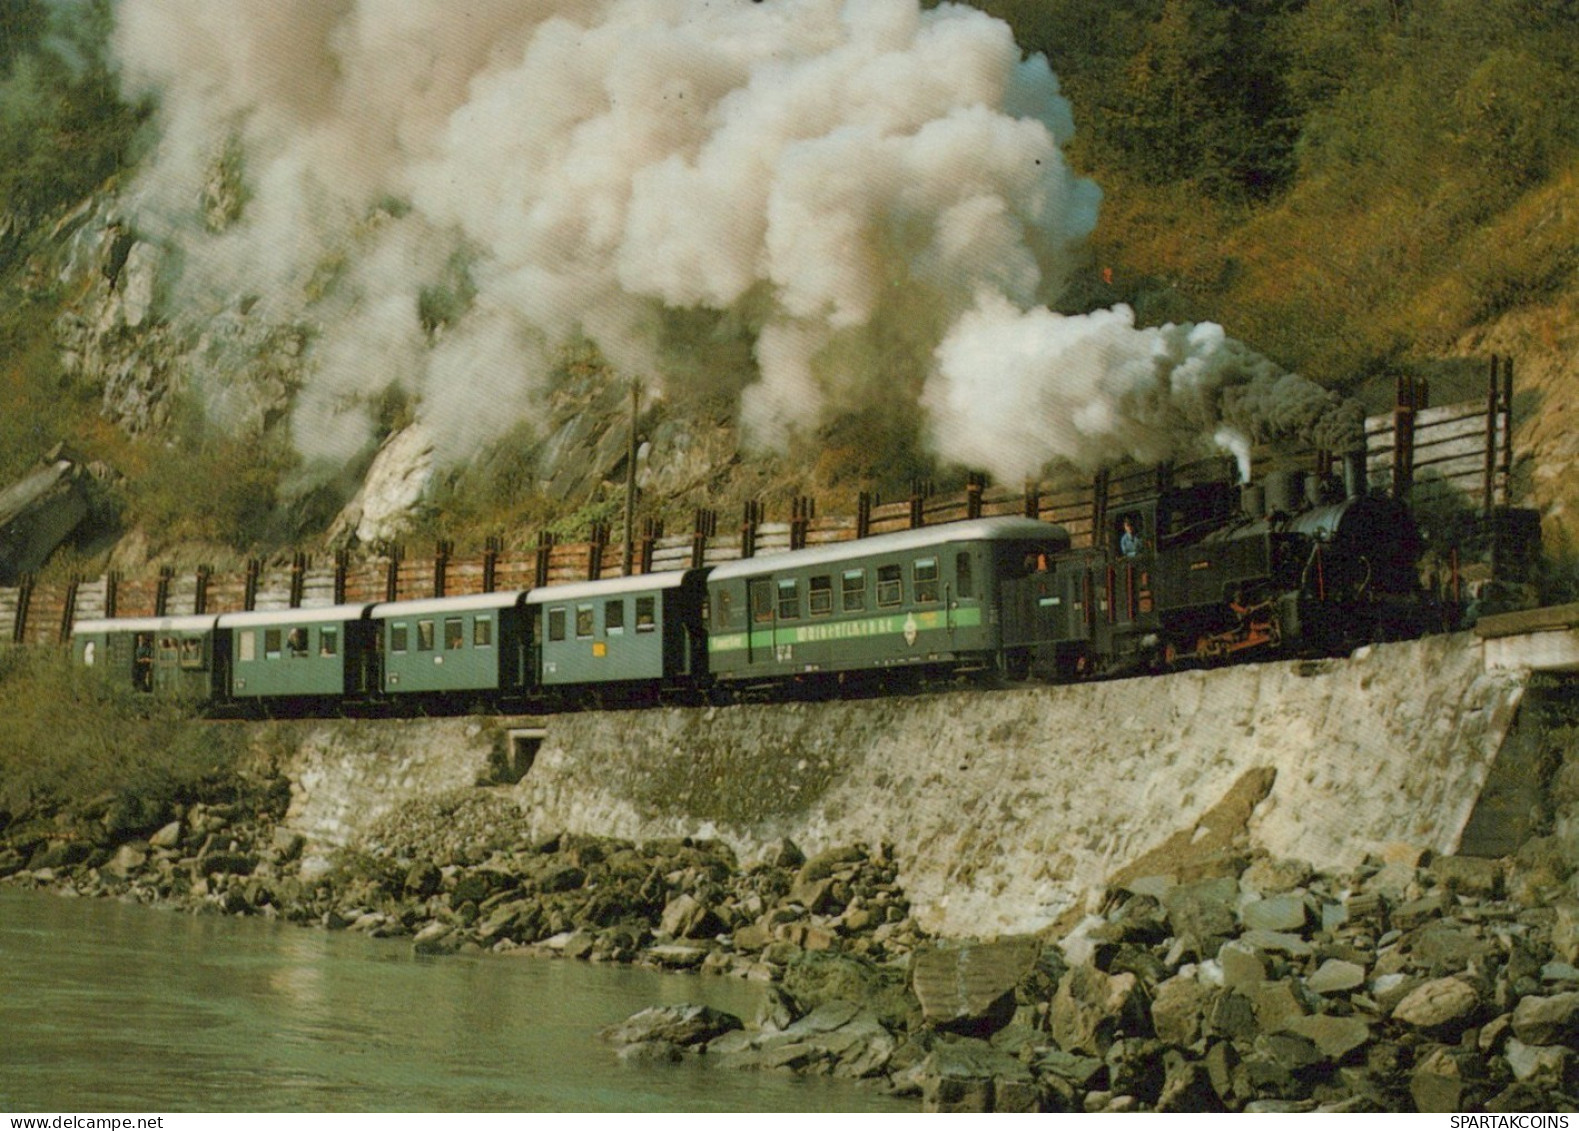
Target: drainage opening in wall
{"type": "Point", "coordinates": [521, 746]}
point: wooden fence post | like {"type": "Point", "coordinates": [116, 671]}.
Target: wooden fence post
{"type": "Point", "coordinates": [704, 527]}
{"type": "Point", "coordinates": [441, 566]}
{"type": "Point", "coordinates": [24, 598]}
{"type": "Point", "coordinates": [490, 562]}
{"type": "Point", "coordinates": [651, 531]}
{"type": "Point", "coordinates": [545, 548]}
{"type": "Point", "coordinates": [802, 507]}
{"type": "Point", "coordinates": [750, 520]}
{"type": "Point", "coordinates": [919, 490]}
{"type": "Point", "coordinates": [162, 591]}
{"type": "Point", "coordinates": [595, 548]}
{"type": "Point", "coordinates": [298, 578]}
{"type": "Point", "coordinates": [68, 610]}
{"type": "Point", "coordinates": [342, 566]}
{"type": "Point", "coordinates": [392, 574]}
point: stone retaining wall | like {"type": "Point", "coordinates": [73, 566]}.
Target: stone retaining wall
{"type": "Point", "coordinates": [1007, 811]}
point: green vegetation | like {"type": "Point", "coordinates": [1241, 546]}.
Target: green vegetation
{"type": "Point", "coordinates": [1346, 184]}
{"type": "Point", "coordinates": [208, 486]}
{"type": "Point", "coordinates": [63, 126]}
{"type": "Point", "coordinates": [70, 735]}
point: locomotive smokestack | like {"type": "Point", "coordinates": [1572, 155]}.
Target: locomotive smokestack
{"type": "Point", "coordinates": [1355, 474]}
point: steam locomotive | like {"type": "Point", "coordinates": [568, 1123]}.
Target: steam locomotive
{"type": "Point", "coordinates": [1202, 573]}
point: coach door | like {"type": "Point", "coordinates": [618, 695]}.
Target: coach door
{"type": "Point", "coordinates": [758, 650]}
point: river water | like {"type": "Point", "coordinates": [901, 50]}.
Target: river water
{"type": "Point", "coordinates": [108, 1006]}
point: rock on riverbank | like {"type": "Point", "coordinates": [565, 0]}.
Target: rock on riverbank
{"type": "Point", "coordinates": [1407, 983]}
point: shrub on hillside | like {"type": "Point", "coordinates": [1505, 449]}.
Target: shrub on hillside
{"type": "Point", "coordinates": [70, 734]}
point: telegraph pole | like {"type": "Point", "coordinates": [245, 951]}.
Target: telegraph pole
{"type": "Point", "coordinates": [630, 482]}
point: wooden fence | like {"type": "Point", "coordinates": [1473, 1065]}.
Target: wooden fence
{"type": "Point", "coordinates": [1458, 453]}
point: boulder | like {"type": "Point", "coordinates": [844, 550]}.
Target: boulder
{"type": "Point", "coordinates": [686, 917]}
{"type": "Point", "coordinates": [970, 987]}
{"type": "Point", "coordinates": [1202, 914]}
{"type": "Point", "coordinates": [1547, 1020]}
{"type": "Point", "coordinates": [1442, 1079]}
{"type": "Point", "coordinates": [1540, 1065]}
{"type": "Point", "coordinates": [128, 859]}
{"type": "Point", "coordinates": [1285, 912]}
{"type": "Point", "coordinates": [1335, 976]}
{"type": "Point", "coordinates": [1091, 1008]}
{"type": "Point", "coordinates": [37, 514]}
{"type": "Point", "coordinates": [1333, 1037]}
{"type": "Point", "coordinates": [1442, 1006]}
{"type": "Point", "coordinates": [1178, 1009]}
{"type": "Point", "coordinates": [970, 1075]}
{"type": "Point", "coordinates": [683, 1025]}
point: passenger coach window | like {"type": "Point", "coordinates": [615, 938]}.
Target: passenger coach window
{"type": "Point", "coordinates": [424, 636]}
{"type": "Point", "coordinates": [247, 645]}
{"type": "Point", "coordinates": [296, 642]}
{"type": "Point", "coordinates": [191, 652]}
{"type": "Point", "coordinates": [556, 624]}
{"type": "Point", "coordinates": [583, 621]}
{"type": "Point", "coordinates": [964, 583]}
{"type": "Point", "coordinates": [454, 633]}
{"type": "Point", "coordinates": [854, 590]}
{"type": "Point", "coordinates": [397, 638]}
{"type": "Point", "coordinates": [761, 601]}
{"type": "Point", "coordinates": [482, 632]}
{"type": "Point", "coordinates": [789, 600]}
{"type": "Point", "coordinates": [646, 614]}
{"type": "Point", "coordinates": [925, 575]}
{"type": "Point", "coordinates": [614, 616]}
{"type": "Point", "coordinates": [271, 643]}
{"type": "Point", "coordinates": [725, 608]}
{"type": "Point", "coordinates": [890, 587]}
{"type": "Point", "coordinates": [328, 641]}
{"type": "Point", "coordinates": [819, 601]}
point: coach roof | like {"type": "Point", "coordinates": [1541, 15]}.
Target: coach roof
{"type": "Point", "coordinates": [998, 529]}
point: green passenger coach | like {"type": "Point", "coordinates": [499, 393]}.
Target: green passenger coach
{"type": "Point", "coordinates": [452, 646]}
{"type": "Point", "coordinates": [179, 656]}
{"type": "Point", "coordinates": [917, 598]}
{"type": "Point", "coordinates": [645, 628]}
{"type": "Point", "coordinates": [300, 654]}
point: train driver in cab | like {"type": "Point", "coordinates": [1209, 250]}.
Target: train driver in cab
{"type": "Point", "coordinates": [1130, 542]}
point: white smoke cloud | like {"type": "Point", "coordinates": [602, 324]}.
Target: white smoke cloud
{"type": "Point", "coordinates": [1015, 387]}
{"type": "Point", "coordinates": [874, 194]}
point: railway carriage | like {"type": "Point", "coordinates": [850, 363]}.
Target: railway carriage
{"type": "Point", "coordinates": [179, 656]}
{"type": "Point", "coordinates": [473, 647]}
{"type": "Point", "coordinates": [917, 599]}
{"type": "Point", "coordinates": [592, 637]}
{"type": "Point", "coordinates": [300, 655]}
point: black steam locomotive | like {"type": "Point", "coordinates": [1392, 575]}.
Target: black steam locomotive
{"type": "Point", "coordinates": [1204, 572]}
{"type": "Point", "coordinates": [1212, 571]}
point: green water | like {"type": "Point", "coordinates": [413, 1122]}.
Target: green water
{"type": "Point", "coordinates": [113, 1007]}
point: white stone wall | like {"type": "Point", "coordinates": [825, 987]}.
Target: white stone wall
{"type": "Point", "coordinates": [1006, 809]}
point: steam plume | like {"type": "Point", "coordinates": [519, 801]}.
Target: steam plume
{"type": "Point", "coordinates": [871, 194]}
